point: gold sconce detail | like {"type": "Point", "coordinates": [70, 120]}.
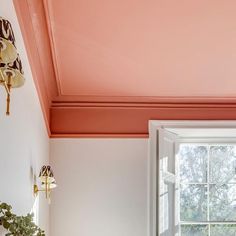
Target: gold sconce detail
{"type": "Point", "coordinates": [11, 71]}
{"type": "Point", "coordinates": [47, 180]}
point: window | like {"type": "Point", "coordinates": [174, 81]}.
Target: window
{"type": "Point", "coordinates": [192, 178]}
{"type": "Point", "coordinates": [207, 184]}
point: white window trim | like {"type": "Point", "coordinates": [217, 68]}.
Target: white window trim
{"type": "Point", "coordinates": [154, 126]}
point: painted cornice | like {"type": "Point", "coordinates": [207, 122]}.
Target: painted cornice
{"type": "Point", "coordinates": [92, 116]}
{"type": "Point", "coordinates": [31, 16]}
{"type": "Point", "coordinates": [128, 119]}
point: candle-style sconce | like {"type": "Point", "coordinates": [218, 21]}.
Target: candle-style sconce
{"type": "Point", "coordinates": [11, 71]}
{"type": "Point", "coordinates": [47, 180]}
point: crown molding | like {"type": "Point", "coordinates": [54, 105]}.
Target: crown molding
{"type": "Point", "coordinates": [128, 119]}
{"type": "Point", "coordinates": [143, 99]}
{"type": "Point", "coordinates": [32, 20]}
{"type": "Point", "coordinates": [73, 116]}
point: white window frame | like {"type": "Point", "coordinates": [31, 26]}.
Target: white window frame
{"type": "Point", "coordinates": [153, 168]}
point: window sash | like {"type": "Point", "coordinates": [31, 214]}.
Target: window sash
{"type": "Point", "coordinates": [207, 184]}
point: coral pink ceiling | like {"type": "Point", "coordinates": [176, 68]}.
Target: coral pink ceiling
{"type": "Point", "coordinates": [144, 48]}
{"type": "Point", "coordinates": [137, 52]}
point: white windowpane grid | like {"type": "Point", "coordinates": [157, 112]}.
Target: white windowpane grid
{"type": "Point", "coordinates": [207, 190]}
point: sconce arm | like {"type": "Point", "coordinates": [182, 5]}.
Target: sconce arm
{"type": "Point", "coordinates": [36, 189]}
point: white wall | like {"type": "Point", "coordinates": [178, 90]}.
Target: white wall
{"type": "Point", "coordinates": [102, 187]}
{"type": "Point", "coordinates": [24, 143]}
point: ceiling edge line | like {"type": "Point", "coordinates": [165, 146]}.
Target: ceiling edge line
{"type": "Point", "coordinates": [52, 46]}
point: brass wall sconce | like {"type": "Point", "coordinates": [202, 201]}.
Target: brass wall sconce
{"type": "Point", "coordinates": [47, 180]}
{"type": "Point", "coordinates": [11, 71]}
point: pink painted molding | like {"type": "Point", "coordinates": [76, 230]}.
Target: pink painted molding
{"type": "Point", "coordinates": [33, 24]}
{"type": "Point", "coordinates": [93, 116]}
{"type": "Point", "coordinates": [128, 120]}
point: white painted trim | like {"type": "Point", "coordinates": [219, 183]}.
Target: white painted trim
{"type": "Point", "coordinates": [210, 140]}
{"type": "Point", "coordinates": [152, 181]}
{"type": "Point", "coordinates": [208, 223]}
{"type": "Point", "coordinates": [168, 177]}
{"type": "Point", "coordinates": [192, 124]}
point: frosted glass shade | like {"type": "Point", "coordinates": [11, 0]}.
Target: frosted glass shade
{"type": "Point", "coordinates": [50, 186]}
{"type": "Point", "coordinates": [15, 70]}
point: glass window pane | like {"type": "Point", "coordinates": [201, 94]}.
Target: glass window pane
{"type": "Point", "coordinates": [222, 203]}
{"type": "Point", "coordinates": [193, 163]}
{"type": "Point", "coordinates": [223, 230]}
{"type": "Point", "coordinates": [194, 230]}
{"type": "Point", "coordinates": [193, 202]}
{"type": "Point", "coordinates": [222, 164]}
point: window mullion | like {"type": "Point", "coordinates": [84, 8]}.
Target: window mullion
{"type": "Point", "coordinates": [208, 188]}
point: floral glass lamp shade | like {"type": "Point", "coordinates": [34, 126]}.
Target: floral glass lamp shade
{"type": "Point", "coordinates": [8, 52]}
{"type": "Point", "coordinates": [48, 181]}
